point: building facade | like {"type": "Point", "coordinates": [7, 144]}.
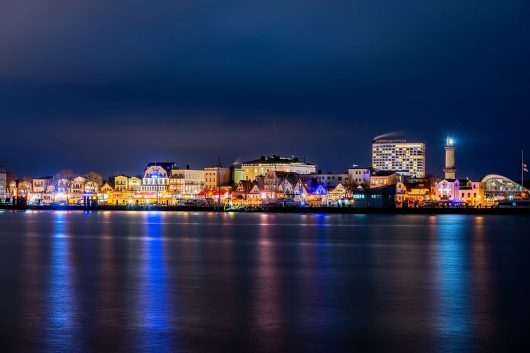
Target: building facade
{"type": "Point", "coordinates": [359, 176]}
{"type": "Point", "coordinates": [121, 183]}
{"type": "Point", "coordinates": [42, 190]}
{"type": "Point", "coordinates": [186, 183]}
{"type": "Point", "coordinates": [400, 156]}
{"type": "Point", "coordinates": [156, 177]}
{"type": "Point", "coordinates": [260, 167]}
{"type": "Point", "coordinates": [217, 176]}
{"type": "Point", "coordinates": [383, 178]}
{"type": "Point", "coordinates": [3, 183]}
{"type": "Point", "coordinates": [331, 180]}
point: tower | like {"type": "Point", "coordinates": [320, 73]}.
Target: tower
{"type": "Point", "coordinates": [450, 168]}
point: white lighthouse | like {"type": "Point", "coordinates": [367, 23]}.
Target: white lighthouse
{"type": "Point", "coordinates": [450, 168]}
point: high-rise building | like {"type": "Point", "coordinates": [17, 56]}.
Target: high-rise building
{"type": "Point", "coordinates": [3, 183]}
{"type": "Point", "coordinates": [400, 156]}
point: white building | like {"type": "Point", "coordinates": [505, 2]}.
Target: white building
{"type": "Point", "coordinates": [359, 175]}
{"type": "Point", "coordinates": [156, 177]}
{"type": "Point", "coordinates": [331, 180]}
{"type": "Point", "coordinates": [40, 192]}
{"type": "Point", "coordinates": [400, 156]}
{"type": "Point", "coordinates": [186, 183]}
{"type": "Point", "coordinates": [3, 183]}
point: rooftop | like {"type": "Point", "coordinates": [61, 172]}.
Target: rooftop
{"type": "Point", "coordinates": [275, 159]}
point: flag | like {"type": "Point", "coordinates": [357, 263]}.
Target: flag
{"type": "Point", "coordinates": [525, 167]}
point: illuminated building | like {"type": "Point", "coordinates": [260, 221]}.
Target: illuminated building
{"type": "Point", "coordinates": [106, 188]}
{"type": "Point", "coordinates": [238, 174]}
{"type": "Point", "coordinates": [121, 183]}
{"type": "Point", "coordinates": [3, 183]}
{"type": "Point", "coordinates": [383, 178]}
{"type": "Point", "coordinates": [77, 190]}
{"type": "Point", "coordinates": [42, 189]}
{"type": "Point", "coordinates": [330, 180]}
{"type": "Point", "coordinates": [156, 177]}
{"type": "Point", "coordinates": [413, 194]}
{"type": "Point", "coordinates": [359, 176]}
{"type": "Point", "coordinates": [259, 167]}
{"type": "Point", "coordinates": [338, 194]}
{"type": "Point", "coordinates": [471, 193]}
{"type": "Point", "coordinates": [404, 158]}
{"type": "Point", "coordinates": [246, 193]}
{"type": "Point", "coordinates": [216, 176]}
{"type": "Point", "coordinates": [186, 183]}
{"type": "Point", "coordinates": [458, 191]}
{"type": "Point", "coordinates": [498, 188]}
{"type": "Point", "coordinates": [155, 183]}
{"type": "Point", "coordinates": [278, 185]}
{"type": "Point", "coordinates": [135, 184]}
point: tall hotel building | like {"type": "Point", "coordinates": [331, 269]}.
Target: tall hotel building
{"type": "Point", "coordinates": [404, 158]}
{"type": "Point", "coordinates": [3, 183]}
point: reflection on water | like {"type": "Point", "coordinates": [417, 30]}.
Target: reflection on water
{"type": "Point", "coordinates": [207, 282]}
{"type": "Point", "coordinates": [62, 311]}
{"type": "Point", "coordinates": [153, 307]}
{"type": "Point", "coordinates": [452, 284]}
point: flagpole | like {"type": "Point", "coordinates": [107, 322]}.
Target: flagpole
{"type": "Point", "coordinates": [522, 169]}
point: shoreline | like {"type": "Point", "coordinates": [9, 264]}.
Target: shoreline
{"type": "Point", "coordinates": [308, 210]}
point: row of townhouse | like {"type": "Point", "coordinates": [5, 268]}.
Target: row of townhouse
{"type": "Point", "coordinates": [166, 184]}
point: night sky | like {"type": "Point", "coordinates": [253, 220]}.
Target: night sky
{"type": "Point", "coordinates": [111, 85]}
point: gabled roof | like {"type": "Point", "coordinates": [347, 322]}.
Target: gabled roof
{"type": "Point", "coordinates": [246, 185]}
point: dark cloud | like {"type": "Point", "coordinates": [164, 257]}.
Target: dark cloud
{"type": "Point", "coordinates": [132, 81]}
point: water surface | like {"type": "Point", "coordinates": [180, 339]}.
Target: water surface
{"type": "Point", "coordinates": [209, 282]}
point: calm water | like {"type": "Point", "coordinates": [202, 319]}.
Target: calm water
{"type": "Point", "coordinates": [199, 282]}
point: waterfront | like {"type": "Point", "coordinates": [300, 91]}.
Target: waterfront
{"type": "Point", "coordinates": [209, 282]}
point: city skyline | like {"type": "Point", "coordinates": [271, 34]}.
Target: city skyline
{"type": "Point", "coordinates": [465, 171]}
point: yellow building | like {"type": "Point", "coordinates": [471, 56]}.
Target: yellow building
{"type": "Point", "coordinates": [472, 193]}
{"type": "Point", "coordinates": [121, 183]}
{"type": "Point", "coordinates": [119, 198]}
{"type": "Point", "coordinates": [413, 194]}
{"type": "Point", "coordinates": [217, 176]}
{"type": "Point", "coordinates": [134, 184]}
{"type": "Point", "coordinates": [383, 178]}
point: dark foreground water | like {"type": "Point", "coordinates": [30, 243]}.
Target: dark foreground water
{"type": "Point", "coordinates": [199, 282]}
